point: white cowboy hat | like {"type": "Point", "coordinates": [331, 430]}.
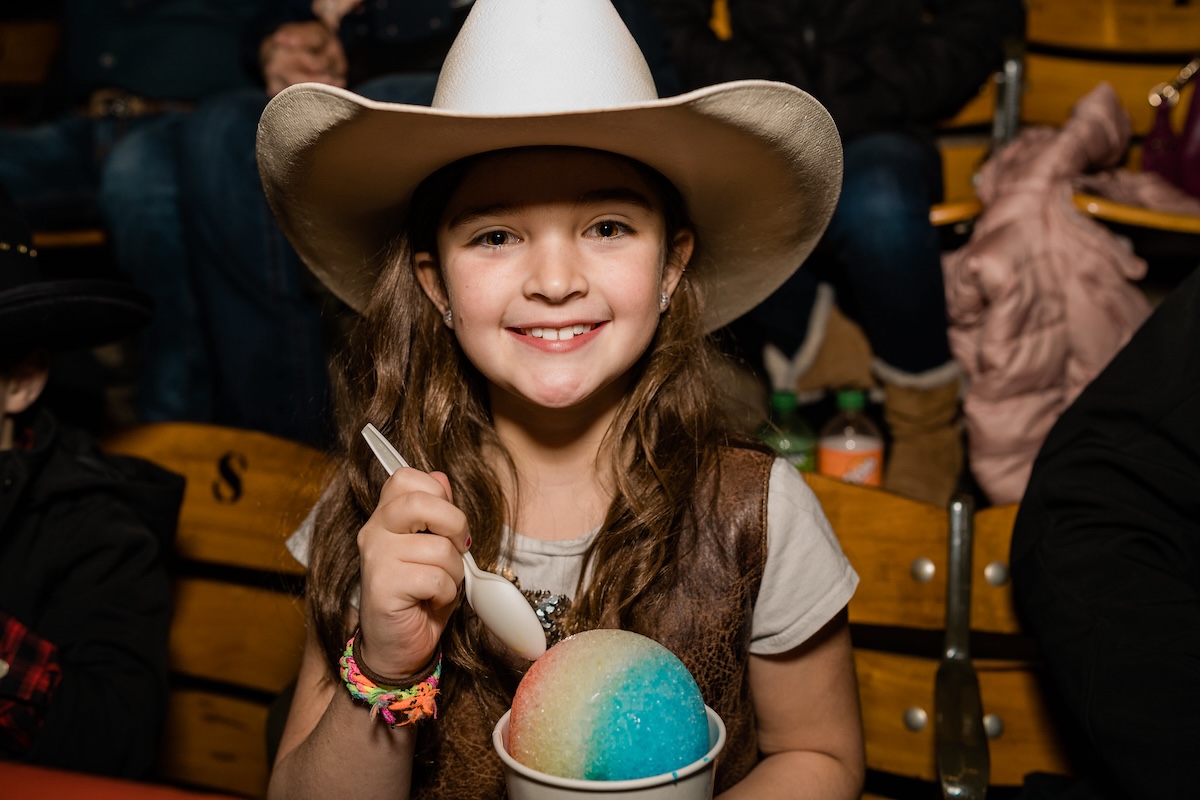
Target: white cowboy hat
{"type": "Point", "coordinates": [759, 163]}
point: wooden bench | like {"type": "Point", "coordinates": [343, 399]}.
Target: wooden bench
{"type": "Point", "coordinates": [902, 550]}
{"type": "Point", "coordinates": [238, 628]}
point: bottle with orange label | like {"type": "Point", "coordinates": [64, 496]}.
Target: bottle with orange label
{"type": "Point", "coordinates": [850, 446]}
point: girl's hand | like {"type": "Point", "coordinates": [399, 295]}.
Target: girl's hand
{"type": "Point", "coordinates": [410, 551]}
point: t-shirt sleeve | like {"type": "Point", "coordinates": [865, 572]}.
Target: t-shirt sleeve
{"type": "Point", "coordinates": [298, 542]}
{"type": "Point", "coordinates": [807, 578]}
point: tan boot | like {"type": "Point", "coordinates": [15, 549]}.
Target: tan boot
{"type": "Point", "coordinates": [926, 458]}
{"type": "Point", "coordinates": [843, 360]}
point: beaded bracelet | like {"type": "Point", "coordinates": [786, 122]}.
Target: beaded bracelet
{"type": "Point", "coordinates": [382, 680]}
{"type": "Point", "coordinates": [398, 706]}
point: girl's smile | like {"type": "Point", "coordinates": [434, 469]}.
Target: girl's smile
{"type": "Point", "coordinates": [559, 337]}
{"type": "Point", "coordinates": [553, 263]}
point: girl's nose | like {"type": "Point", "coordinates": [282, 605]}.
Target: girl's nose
{"type": "Point", "coordinates": [555, 272]}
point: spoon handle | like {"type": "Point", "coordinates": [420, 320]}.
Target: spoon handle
{"type": "Point", "coordinates": [383, 450]}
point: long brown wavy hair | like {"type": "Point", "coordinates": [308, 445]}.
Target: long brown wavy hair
{"type": "Point", "coordinates": [403, 370]}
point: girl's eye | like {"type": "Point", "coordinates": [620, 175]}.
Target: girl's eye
{"type": "Point", "coordinates": [495, 238]}
{"type": "Point", "coordinates": [609, 229]}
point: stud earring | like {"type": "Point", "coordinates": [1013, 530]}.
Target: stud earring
{"type": "Point", "coordinates": [664, 300]}
{"type": "Point", "coordinates": [448, 317]}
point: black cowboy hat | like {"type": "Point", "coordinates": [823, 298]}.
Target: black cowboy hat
{"type": "Point", "coordinates": [39, 311]}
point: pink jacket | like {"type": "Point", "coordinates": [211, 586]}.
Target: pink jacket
{"type": "Point", "coordinates": [1041, 296]}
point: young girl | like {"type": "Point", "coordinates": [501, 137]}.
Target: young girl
{"type": "Point", "coordinates": [537, 260]}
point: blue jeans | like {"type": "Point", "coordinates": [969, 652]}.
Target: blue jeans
{"type": "Point", "coordinates": [882, 255]}
{"type": "Point", "coordinates": [124, 175]}
{"type": "Point", "coordinates": [266, 321]}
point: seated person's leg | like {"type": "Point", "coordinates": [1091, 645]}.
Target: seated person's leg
{"type": "Point", "coordinates": [261, 312]}
{"type": "Point", "coordinates": [413, 88]}
{"type": "Point", "coordinates": [891, 261]}
{"type": "Point", "coordinates": [50, 172]}
{"type": "Point", "coordinates": [139, 196]}
{"type": "Point", "coordinates": [889, 252]}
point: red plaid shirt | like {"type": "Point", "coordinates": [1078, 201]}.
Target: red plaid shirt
{"type": "Point", "coordinates": [29, 674]}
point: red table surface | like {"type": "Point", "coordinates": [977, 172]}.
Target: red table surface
{"type": "Point", "coordinates": [23, 780]}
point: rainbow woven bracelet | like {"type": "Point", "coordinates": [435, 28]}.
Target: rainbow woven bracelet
{"type": "Point", "coordinates": [397, 706]}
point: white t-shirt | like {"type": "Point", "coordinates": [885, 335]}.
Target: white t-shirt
{"type": "Point", "coordinates": [807, 579]}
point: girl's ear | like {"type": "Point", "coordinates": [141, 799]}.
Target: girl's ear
{"type": "Point", "coordinates": [677, 259]}
{"type": "Point", "coordinates": [430, 278]}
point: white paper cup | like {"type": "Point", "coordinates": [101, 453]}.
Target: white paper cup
{"type": "Point", "coordinates": [692, 782]}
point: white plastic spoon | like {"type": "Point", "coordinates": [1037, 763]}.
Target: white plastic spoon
{"type": "Point", "coordinates": [497, 602]}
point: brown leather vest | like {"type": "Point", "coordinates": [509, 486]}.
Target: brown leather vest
{"type": "Point", "coordinates": [705, 621]}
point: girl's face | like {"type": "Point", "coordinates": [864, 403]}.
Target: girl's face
{"type": "Point", "coordinates": [553, 263]}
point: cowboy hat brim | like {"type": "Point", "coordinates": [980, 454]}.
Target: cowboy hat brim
{"type": "Point", "coordinates": [758, 163]}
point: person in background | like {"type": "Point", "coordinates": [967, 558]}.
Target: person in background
{"type": "Point", "coordinates": [129, 72]}
{"type": "Point", "coordinates": [1106, 562]}
{"type": "Point", "coordinates": [887, 72]}
{"type": "Point", "coordinates": [85, 599]}
{"type": "Point", "coordinates": [267, 326]}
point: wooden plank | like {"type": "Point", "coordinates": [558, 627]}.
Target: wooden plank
{"type": "Point", "coordinates": [978, 111]}
{"type": "Point", "coordinates": [236, 634]}
{"type": "Point", "coordinates": [943, 214]}
{"type": "Point", "coordinates": [992, 605]}
{"type": "Point", "coordinates": [883, 534]}
{"type": "Point", "coordinates": [962, 156]}
{"type": "Point", "coordinates": [61, 240]}
{"type": "Point", "coordinates": [27, 49]}
{"type": "Point", "coordinates": [215, 742]}
{"type": "Point", "coordinates": [889, 686]}
{"type": "Point", "coordinates": [1030, 741]}
{"type": "Point", "coordinates": [1138, 216]}
{"type": "Point", "coordinates": [1132, 26]}
{"type": "Point", "coordinates": [892, 687]}
{"type": "Point", "coordinates": [1055, 83]}
{"type": "Point", "coordinates": [246, 491]}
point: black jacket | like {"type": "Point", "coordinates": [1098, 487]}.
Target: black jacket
{"type": "Point", "coordinates": [83, 540]}
{"type": "Point", "coordinates": [1106, 559]}
{"type": "Point", "coordinates": [877, 65]}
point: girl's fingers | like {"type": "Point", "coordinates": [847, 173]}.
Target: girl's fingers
{"type": "Point", "coordinates": [413, 501]}
{"type": "Point", "coordinates": [442, 479]}
{"type": "Point", "coordinates": [384, 549]}
{"type": "Point", "coordinates": [410, 582]}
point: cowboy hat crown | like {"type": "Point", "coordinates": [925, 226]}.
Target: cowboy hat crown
{"type": "Point", "coordinates": [557, 61]}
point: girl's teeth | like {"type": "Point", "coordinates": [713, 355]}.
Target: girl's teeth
{"type": "Point", "coordinates": [559, 334]}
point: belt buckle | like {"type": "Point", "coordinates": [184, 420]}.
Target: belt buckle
{"type": "Point", "coordinates": [111, 103]}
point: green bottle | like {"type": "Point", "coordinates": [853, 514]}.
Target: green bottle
{"type": "Point", "coordinates": [788, 434]}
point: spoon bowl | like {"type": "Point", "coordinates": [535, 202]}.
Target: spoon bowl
{"type": "Point", "coordinates": [499, 604]}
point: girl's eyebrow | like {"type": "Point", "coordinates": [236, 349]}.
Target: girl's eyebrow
{"type": "Point", "coordinates": [620, 194]}
{"type": "Point", "coordinates": [615, 194]}
{"type": "Point", "coordinates": [469, 215]}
